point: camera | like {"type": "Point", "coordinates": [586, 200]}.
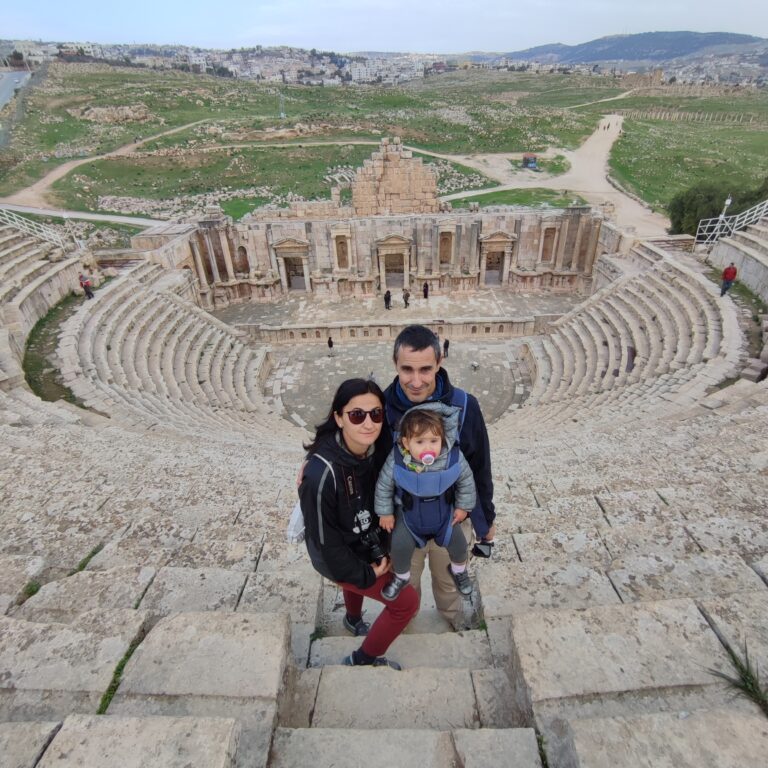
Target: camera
{"type": "Point", "coordinates": [371, 540]}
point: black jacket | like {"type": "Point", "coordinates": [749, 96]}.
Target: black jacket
{"type": "Point", "coordinates": [336, 519]}
{"type": "Point", "coordinates": [474, 445]}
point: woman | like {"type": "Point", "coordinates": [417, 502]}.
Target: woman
{"type": "Point", "coordinates": [343, 537]}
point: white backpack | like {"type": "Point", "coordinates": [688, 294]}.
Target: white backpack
{"type": "Point", "coordinates": [296, 529]}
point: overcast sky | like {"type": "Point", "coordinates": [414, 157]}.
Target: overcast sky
{"type": "Point", "coordinates": [440, 26]}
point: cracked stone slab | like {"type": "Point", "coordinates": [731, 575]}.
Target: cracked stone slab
{"type": "Point", "coordinates": [660, 577]}
{"type": "Point", "coordinates": [625, 507]}
{"type": "Point", "coordinates": [671, 539]}
{"type": "Point", "coordinates": [192, 589]}
{"type": "Point", "coordinates": [720, 738]}
{"type": "Point", "coordinates": [454, 650]}
{"type": "Point", "coordinates": [584, 546]}
{"type": "Point", "coordinates": [615, 660]}
{"type": "Point", "coordinates": [66, 599]}
{"type": "Point", "coordinates": [15, 573]}
{"type": "Point", "coordinates": [739, 619]}
{"type": "Point", "coordinates": [48, 671]}
{"type": "Point", "coordinates": [140, 742]}
{"type": "Point", "coordinates": [22, 744]}
{"type": "Point", "coordinates": [218, 553]}
{"type": "Point", "coordinates": [212, 664]}
{"type": "Point", "coordinates": [497, 747]}
{"type": "Point", "coordinates": [494, 696]}
{"type": "Point", "coordinates": [296, 589]}
{"type": "Point", "coordinates": [422, 698]}
{"type": "Point", "coordinates": [351, 748]}
{"type": "Point", "coordinates": [509, 589]}
{"type": "Point", "coordinates": [747, 536]}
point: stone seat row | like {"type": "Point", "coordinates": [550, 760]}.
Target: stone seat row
{"type": "Point", "coordinates": [151, 352]}
{"type": "Point", "coordinates": [637, 329]}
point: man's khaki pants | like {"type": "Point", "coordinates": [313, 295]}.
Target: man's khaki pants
{"type": "Point", "coordinates": [447, 598]}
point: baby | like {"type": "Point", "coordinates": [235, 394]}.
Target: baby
{"type": "Point", "coordinates": [427, 484]}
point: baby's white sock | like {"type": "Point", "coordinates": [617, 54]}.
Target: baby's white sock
{"type": "Point", "coordinates": [404, 576]}
{"type": "Point", "coordinates": [458, 568]}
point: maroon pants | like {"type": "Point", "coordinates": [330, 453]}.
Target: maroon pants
{"type": "Point", "coordinates": [391, 621]}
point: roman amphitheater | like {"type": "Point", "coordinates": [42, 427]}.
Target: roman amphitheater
{"type": "Point", "coordinates": [153, 613]}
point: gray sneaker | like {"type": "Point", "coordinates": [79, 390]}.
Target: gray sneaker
{"type": "Point", "coordinates": [358, 629]}
{"type": "Point", "coordinates": [462, 581]}
{"type": "Point", "coordinates": [392, 590]}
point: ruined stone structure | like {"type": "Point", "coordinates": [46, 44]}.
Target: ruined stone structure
{"type": "Point", "coordinates": [393, 235]}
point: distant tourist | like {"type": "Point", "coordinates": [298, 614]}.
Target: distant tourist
{"type": "Point", "coordinates": [330, 347]}
{"type": "Point", "coordinates": [729, 276]}
{"type": "Point", "coordinates": [388, 300]}
{"type": "Point", "coordinates": [406, 297]}
{"type": "Point", "coordinates": [446, 344]}
{"type": "Point", "coordinates": [85, 284]}
{"type": "Point", "coordinates": [425, 289]}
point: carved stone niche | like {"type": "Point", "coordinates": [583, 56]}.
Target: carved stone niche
{"type": "Point", "coordinates": [292, 255]}
{"type": "Point", "coordinates": [341, 248]}
{"type": "Point", "coordinates": [393, 253]}
{"type": "Point", "coordinates": [497, 250]}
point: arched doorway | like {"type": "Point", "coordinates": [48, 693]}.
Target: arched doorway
{"type": "Point", "coordinates": [294, 272]}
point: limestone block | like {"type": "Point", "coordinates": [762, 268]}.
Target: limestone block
{"type": "Point", "coordinates": [420, 698]}
{"type": "Point", "coordinates": [495, 698]}
{"type": "Point", "coordinates": [15, 573]}
{"type": "Point", "coordinates": [624, 507]}
{"type": "Point", "coordinates": [65, 599]}
{"type": "Point", "coordinates": [512, 589]}
{"type": "Point", "coordinates": [351, 748]}
{"type": "Point", "coordinates": [22, 744]}
{"type": "Point", "coordinates": [720, 738]}
{"type": "Point", "coordinates": [661, 577]}
{"type": "Point", "coordinates": [742, 619]}
{"type": "Point", "coordinates": [211, 664]}
{"type": "Point", "coordinates": [667, 540]}
{"type": "Point", "coordinates": [452, 650]}
{"type": "Point", "coordinates": [234, 555]}
{"type": "Point", "coordinates": [497, 747]}
{"type": "Point", "coordinates": [747, 535]}
{"type": "Point", "coordinates": [141, 742]}
{"type": "Point", "coordinates": [299, 704]}
{"type": "Point", "coordinates": [572, 546]}
{"type": "Point", "coordinates": [615, 660]}
{"type": "Point", "coordinates": [48, 671]}
{"type": "Point", "coordinates": [192, 589]}
{"type": "Point", "coordinates": [761, 566]}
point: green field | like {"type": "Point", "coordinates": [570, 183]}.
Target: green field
{"type": "Point", "coordinates": [463, 112]}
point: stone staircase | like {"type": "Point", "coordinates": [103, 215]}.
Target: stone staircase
{"type": "Point", "coordinates": [144, 574]}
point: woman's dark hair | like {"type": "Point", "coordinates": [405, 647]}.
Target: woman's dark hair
{"type": "Point", "coordinates": [346, 391]}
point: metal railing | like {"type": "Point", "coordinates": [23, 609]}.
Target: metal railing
{"type": "Point", "coordinates": [40, 231]}
{"type": "Point", "coordinates": [711, 230]}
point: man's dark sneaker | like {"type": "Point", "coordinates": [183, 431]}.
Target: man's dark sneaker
{"type": "Point", "coordinates": [358, 629]}
{"type": "Point", "coordinates": [462, 581]}
{"type": "Point", "coordinates": [379, 661]}
{"type": "Point", "coordinates": [392, 590]}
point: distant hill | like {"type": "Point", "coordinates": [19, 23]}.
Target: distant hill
{"type": "Point", "coordinates": [646, 46]}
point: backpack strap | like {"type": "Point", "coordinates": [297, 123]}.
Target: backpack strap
{"type": "Point", "coordinates": [459, 400]}
{"type": "Point", "coordinates": [318, 505]}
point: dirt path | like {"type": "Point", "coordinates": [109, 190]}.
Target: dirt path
{"type": "Point", "coordinates": [587, 176]}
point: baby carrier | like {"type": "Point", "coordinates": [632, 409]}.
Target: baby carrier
{"type": "Point", "coordinates": [427, 498]}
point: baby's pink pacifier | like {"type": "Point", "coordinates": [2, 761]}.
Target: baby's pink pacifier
{"type": "Point", "coordinates": [427, 458]}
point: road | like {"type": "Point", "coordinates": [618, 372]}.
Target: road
{"type": "Point", "coordinates": [587, 176]}
{"type": "Point", "coordinates": [9, 82]}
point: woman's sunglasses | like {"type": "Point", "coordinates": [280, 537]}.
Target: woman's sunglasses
{"type": "Point", "coordinates": [357, 415]}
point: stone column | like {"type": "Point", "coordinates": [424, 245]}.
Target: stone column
{"type": "Point", "coordinates": [199, 265]}
{"type": "Point", "coordinates": [283, 274]}
{"type": "Point", "coordinates": [507, 263]}
{"type": "Point", "coordinates": [483, 259]}
{"type": "Point", "coordinates": [577, 245]}
{"type": "Point", "coordinates": [382, 272]}
{"type": "Point", "coordinates": [307, 281]}
{"type": "Point", "coordinates": [589, 259]}
{"type": "Point", "coordinates": [562, 237]}
{"type": "Point", "coordinates": [212, 257]}
{"type": "Point", "coordinates": [474, 246]}
{"type": "Point", "coordinates": [407, 258]}
{"type": "Point", "coordinates": [227, 255]}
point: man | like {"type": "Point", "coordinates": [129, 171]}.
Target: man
{"type": "Point", "coordinates": [406, 297]}
{"type": "Point", "coordinates": [421, 379]}
{"type": "Point", "coordinates": [729, 276]}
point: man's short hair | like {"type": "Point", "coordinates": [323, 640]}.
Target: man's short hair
{"type": "Point", "coordinates": [417, 337]}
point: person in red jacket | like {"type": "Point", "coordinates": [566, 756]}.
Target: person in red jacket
{"type": "Point", "coordinates": [729, 276]}
{"type": "Point", "coordinates": [85, 284]}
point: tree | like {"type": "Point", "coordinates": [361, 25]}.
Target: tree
{"type": "Point", "coordinates": [17, 59]}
